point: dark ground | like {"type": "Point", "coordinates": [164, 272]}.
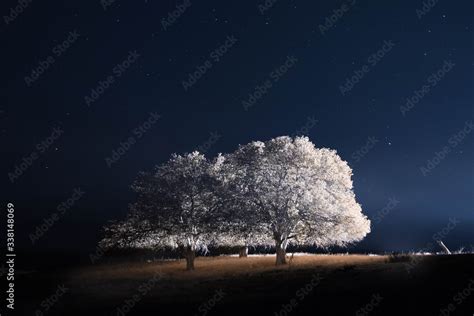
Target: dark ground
{"type": "Point", "coordinates": [252, 285]}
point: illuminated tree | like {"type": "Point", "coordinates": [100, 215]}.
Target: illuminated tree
{"type": "Point", "coordinates": [277, 192]}
{"type": "Point", "coordinates": [241, 227]}
{"type": "Point", "coordinates": [295, 193]}
{"type": "Point", "coordinates": [179, 202]}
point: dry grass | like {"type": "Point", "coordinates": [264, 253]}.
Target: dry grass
{"type": "Point", "coordinates": [221, 267]}
{"type": "Point", "coordinates": [254, 284]}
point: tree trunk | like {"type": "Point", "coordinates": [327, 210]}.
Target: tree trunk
{"type": "Point", "coordinates": [281, 241]}
{"type": "Point", "coordinates": [280, 256]}
{"type": "Point", "coordinates": [243, 251]}
{"type": "Point", "coordinates": [189, 255]}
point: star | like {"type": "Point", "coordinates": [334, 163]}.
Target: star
{"type": "Point", "coordinates": [425, 53]}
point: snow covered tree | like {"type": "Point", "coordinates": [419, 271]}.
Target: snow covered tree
{"type": "Point", "coordinates": [179, 203]}
{"type": "Point", "coordinates": [237, 214]}
{"type": "Point", "coordinates": [133, 232]}
{"type": "Point", "coordinates": [295, 193]}
{"type": "Point", "coordinates": [277, 192]}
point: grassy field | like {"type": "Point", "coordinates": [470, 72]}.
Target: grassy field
{"type": "Point", "coordinates": [310, 284]}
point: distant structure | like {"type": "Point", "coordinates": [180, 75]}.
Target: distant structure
{"type": "Point", "coordinates": [442, 245]}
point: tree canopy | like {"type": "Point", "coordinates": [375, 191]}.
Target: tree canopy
{"type": "Point", "coordinates": [279, 192]}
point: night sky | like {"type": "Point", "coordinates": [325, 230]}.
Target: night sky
{"type": "Point", "coordinates": [389, 85]}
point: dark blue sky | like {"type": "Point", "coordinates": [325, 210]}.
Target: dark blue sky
{"type": "Point", "coordinates": [390, 51]}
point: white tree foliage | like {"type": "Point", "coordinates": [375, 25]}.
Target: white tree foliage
{"type": "Point", "coordinates": [176, 207]}
{"type": "Point", "coordinates": [277, 192]}
{"type": "Point", "coordinates": [241, 226]}
{"type": "Point", "coordinates": [296, 193]}
{"type": "Point", "coordinates": [130, 233]}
